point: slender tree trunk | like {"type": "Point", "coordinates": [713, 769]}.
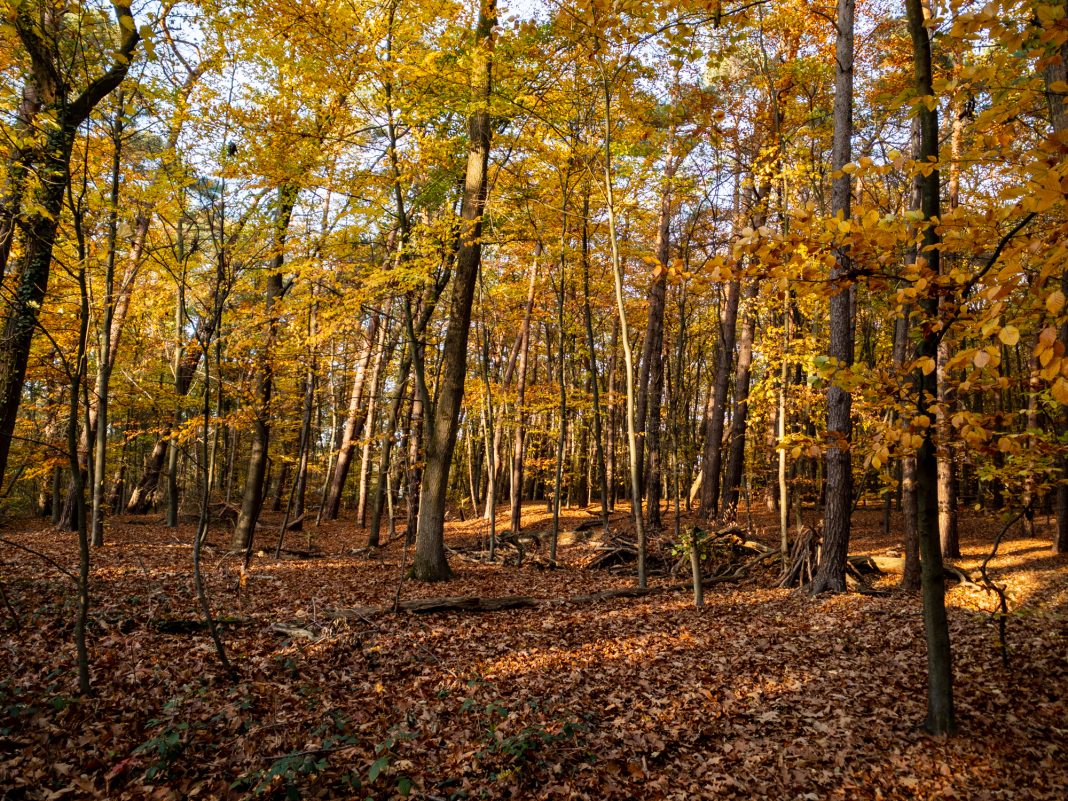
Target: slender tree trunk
{"type": "Point", "coordinates": [252, 498]}
{"type": "Point", "coordinates": [714, 423]}
{"type": "Point", "coordinates": [740, 419]}
{"type": "Point", "coordinates": [103, 375]}
{"type": "Point", "coordinates": [594, 378]}
{"type": "Point", "coordinates": [940, 715]}
{"type": "Point", "coordinates": [372, 407]}
{"type": "Point", "coordinates": [354, 423]}
{"type": "Point", "coordinates": [520, 434]}
{"type": "Point", "coordinates": [830, 576]}
{"type": "Point", "coordinates": [624, 332]}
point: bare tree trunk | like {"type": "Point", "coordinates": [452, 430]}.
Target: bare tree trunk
{"type": "Point", "coordinates": [594, 378]}
{"type": "Point", "coordinates": [369, 426]}
{"type": "Point", "coordinates": [830, 576]}
{"type": "Point", "coordinates": [624, 331]}
{"type": "Point", "coordinates": [354, 423]}
{"type": "Point", "coordinates": [940, 715]}
{"type": "Point", "coordinates": [252, 498]}
{"type": "Point", "coordinates": [651, 379]}
{"type": "Point", "coordinates": [714, 423]}
{"type": "Point", "coordinates": [520, 434]}
{"type": "Point", "coordinates": [104, 358]}
{"type": "Point", "coordinates": [740, 419]}
{"type": "Point", "coordinates": [429, 562]}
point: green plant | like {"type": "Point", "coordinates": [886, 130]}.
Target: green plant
{"type": "Point", "coordinates": [164, 747]}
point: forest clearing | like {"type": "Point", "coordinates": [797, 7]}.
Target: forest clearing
{"type": "Point", "coordinates": [603, 399]}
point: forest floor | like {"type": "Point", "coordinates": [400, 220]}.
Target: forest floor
{"type": "Point", "coordinates": [766, 693]}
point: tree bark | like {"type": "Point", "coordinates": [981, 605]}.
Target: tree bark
{"type": "Point", "coordinates": [714, 423]}
{"type": "Point", "coordinates": [940, 715]}
{"type": "Point", "coordinates": [429, 562]}
{"type": "Point", "coordinates": [830, 576]}
{"type": "Point", "coordinates": [252, 498]}
{"type": "Point", "coordinates": [50, 161]}
{"type": "Point", "coordinates": [354, 423]}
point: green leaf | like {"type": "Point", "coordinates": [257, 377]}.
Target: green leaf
{"type": "Point", "coordinates": [377, 767]}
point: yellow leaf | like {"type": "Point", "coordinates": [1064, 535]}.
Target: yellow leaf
{"type": "Point", "coordinates": [1009, 335]}
{"type": "Point", "coordinates": [981, 359]}
{"type": "Point", "coordinates": [1055, 302]}
{"type": "Point", "coordinates": [1060, 391]}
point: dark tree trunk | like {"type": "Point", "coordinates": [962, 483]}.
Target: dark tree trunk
{"type": "Point", "coordinates": [252, 498]}
{"type": "Point", "coordinates": [830, 576]}
{"type": "Point", "coordinates": [940, 715]}
{"type": "Point", "coordinates": [651, 379]}
{"type": "Point", "coordinates": [50, 162]}
{"type": "Point", "coordinates": [714, 423]}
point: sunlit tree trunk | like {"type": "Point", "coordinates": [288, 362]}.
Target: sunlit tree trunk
{"type": "Point", "coordinates": [354, 424]}
{"type": "Point", "coordinates": [430, 563]}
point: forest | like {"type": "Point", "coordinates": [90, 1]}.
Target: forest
{"type": "Point", "coordinates": [618, 399]}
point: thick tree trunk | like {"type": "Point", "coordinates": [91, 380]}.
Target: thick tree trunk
{"type": "Point", "coordinates": [50, 163]}
{"type": "Point", "coordinates": [830, 576]}
{"type": "Point", "coordinates": [430, 563]}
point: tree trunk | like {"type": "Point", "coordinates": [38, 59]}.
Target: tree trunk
{"type": "Point", "coordinates": [429, 562]}
{"type": "Point", "coordinates": [369, 427]}
{"type": "Point", "coordinates": [740, 419]}
{"type": "Point", "coordinates": [714, 423]}
{"type": "Point", "coordinates": [252, 498]}
{"type": "Point", "coordinates": [354, 423]}
{"type": "Point", "coordinates": [1056, 72]}
{"type": "Point", "coordinates": [940, 714]}
{"type": "Point", "coordinates": [594, 377]}
{"type": "Point", "coordinates": [830, 576]}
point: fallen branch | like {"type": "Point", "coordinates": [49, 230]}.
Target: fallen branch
{"type": "Point", "coordinates": [476, 603]}
{"type": "Point", "coordinates": [40, 555]}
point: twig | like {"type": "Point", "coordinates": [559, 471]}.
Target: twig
{"type": "Point", "coordinates": [47, 558]}
{"type": "Point", "coordinates": [1002, 612]}
{"type": "Point", "coordinates": [10, 608]}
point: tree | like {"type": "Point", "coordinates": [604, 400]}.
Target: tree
{"type": "Point", "coordinates": [839, 506]}
{"type": "Point", "coordinates": [430, 563]}
{"type": "Point", "coordinates": [940, 715]}
{"type": "Point", "coordinates": [54, 110]}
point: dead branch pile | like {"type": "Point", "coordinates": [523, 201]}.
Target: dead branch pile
{"type": "Point", "coordinates": [804, 557]}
